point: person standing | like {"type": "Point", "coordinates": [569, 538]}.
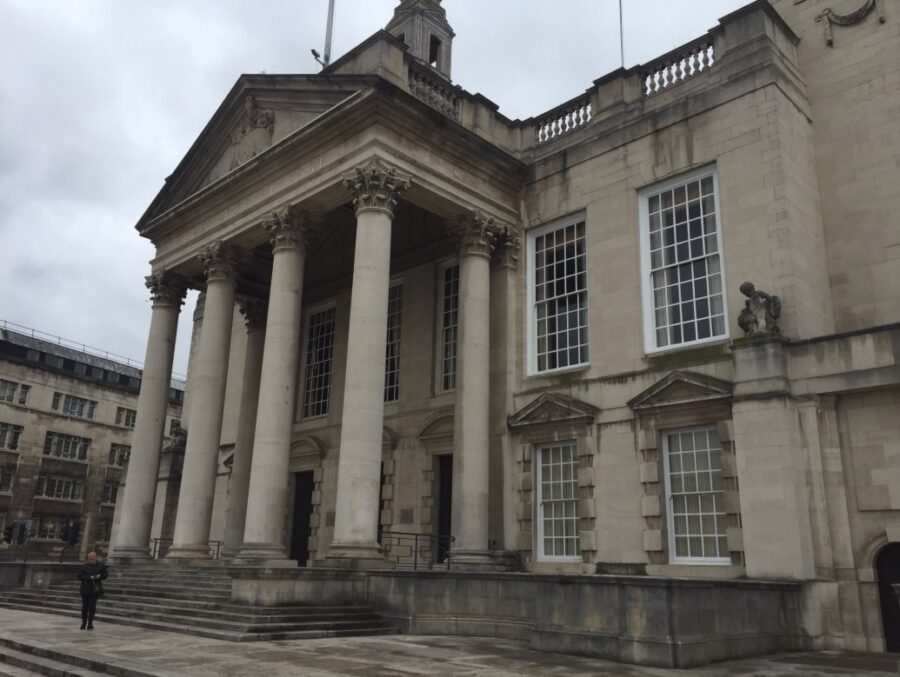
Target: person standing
{"type": "Point", "coordinates": [91, 576]}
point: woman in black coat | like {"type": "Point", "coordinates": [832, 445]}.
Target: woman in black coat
{"type": "Point", "coordinates": [91, 576]}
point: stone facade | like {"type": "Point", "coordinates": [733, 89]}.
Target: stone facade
{"type": "Point", "coordinates": [524, 334]}
{"type": "Point", "coordinates": [66, 420]}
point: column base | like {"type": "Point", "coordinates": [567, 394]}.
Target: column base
{"type": "Point", "coordinates": [478, 560]}
{"type": "Point", "coordinates": [264, 555]}
{"type": "Point", "coordinates": [188, 551]}
{"type": "Point", "coordinates": [353, 556]}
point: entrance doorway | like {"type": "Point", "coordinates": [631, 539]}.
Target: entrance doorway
{"type": "Point", "coordinates": [887, 570]}
{"type": "Point", "coordinates": [303, 491]}
{"type": "Point", "coordinates": [444, 493]}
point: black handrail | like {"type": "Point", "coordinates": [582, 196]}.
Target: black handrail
{"type": "Point", "coordinates": [215, 547]}
{"type": "Point", "coordinates": [409, 550]}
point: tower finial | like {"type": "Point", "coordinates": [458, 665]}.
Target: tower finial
{"type": "Point", "coordinates": [423, 26]}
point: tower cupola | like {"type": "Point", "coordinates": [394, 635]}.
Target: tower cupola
{"type": "Point", "coordinates": [422, 25]}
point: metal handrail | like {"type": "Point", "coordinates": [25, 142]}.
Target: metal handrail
{"type": "Point", "coordinates": [215, 547]}
{"type": "Point", "coordinates": [417, 551]}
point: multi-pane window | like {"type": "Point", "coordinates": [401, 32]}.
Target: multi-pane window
{"type": "Point", "coordinates": [695, 493]}
{"type": "Point", "coordinates": [558, 500]}
{"type": "Point", "coordinates": [392, 347]}
{"type": "Point", "coordinates": [558, 263]}
{"type": "Point", "coordinates": [9, 436]}
{"type": "Point", "coordinates": [174, 424]}
{"type": "Point", "coordinates": [319, 354]}
{"type": "Point", "coordinates": [23, 393]}
{"type": "Point", "coordinates": [69, 405]}
{"type": "Point", "coordinates": [65, 488]}
{"type": "Point", "coordinates": [118, 455]}
{"type": "Point", "coordinates": [66, 446]}
{"type": "Point", "coordinates": [125, 417]}
{"type": "Point", "coordinates": [110, 492]}
{"type": "Point", "coordinates": [449, 325]}
{"type": "Point", "coordinates": [8, 390]}
{"type": "Point", "coordinates": [6, 478]}
{"type": "Point", "coordinates": [50, 526]}
{"type": "Point", "coordinates": [682, 263]}
{"type": "Point", "coordinates": [104, 530]}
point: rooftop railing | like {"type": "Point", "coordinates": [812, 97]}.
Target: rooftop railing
{"type": "Point", "coordinates": [679, 65]}
{"type": "Point", "coordinates": [563, 119]}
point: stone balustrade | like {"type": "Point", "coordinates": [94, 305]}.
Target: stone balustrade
{"type": "Point", "coordinates": [568, 117]}
{"type": "Point", "coordinates": [681, 64]}
{"type": "Point", "coordinates": [435, 90]}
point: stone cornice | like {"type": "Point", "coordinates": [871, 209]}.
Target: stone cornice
{"type": "Point", "coordinates": [376, 186]}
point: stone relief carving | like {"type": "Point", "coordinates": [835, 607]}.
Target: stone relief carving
{"type": "Point", "coordinates": [829, 17]}
{"type": "Point", "coordinates": [166, 288]}
{"type": "Point", "coordinates": [376, 186]}
{"type": "Point", "coordinates": [253, 118]}
{"type": "Point", "coordinates": [759, 305]}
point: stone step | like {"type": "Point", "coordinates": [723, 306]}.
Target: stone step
{"type": "Point", "coordinates": [171, 624]}
{"type": "Point", "coordinates": [35, 665]}
{"type": "Point", "coordinates": [42, 659]}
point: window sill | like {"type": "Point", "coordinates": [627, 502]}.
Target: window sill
{"type": "Point", "coordinates": [706, 344]}
{"type": "Point", "coordinates": [66, 460]}
{"type": "Point", "coordinates": [696, 570]}
{"type": "Point", "coordinates": [73, 501]}
{"type": "Point", "coordinates": [560, 566]}
{"type": "Point", "coordinates": [581, 368]}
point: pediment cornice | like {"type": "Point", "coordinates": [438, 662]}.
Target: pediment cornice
{"type": "Point", "coordinates": [681, 388]}
{"type": "Point", "coordinates": [549, 408]}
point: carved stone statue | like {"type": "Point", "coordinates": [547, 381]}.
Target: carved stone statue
{"type": "Point", "coordinates": [759, 303]}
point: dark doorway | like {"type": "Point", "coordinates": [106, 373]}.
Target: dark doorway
{"type": "Point", "coordinates": [444, 495]}
{"type": "Point", "coordinates": [303, 491]}
{"type": "Point", "coordinates": [887, 569]}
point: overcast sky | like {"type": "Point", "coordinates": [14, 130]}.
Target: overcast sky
{"type": "Point", "coordinates": [100, 99]}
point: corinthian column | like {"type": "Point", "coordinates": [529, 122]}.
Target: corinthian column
{"type": "Point", "coordinates": [375, 190]}
{"type": "Point", "coordinates": [267, 497]}
{"type": "Point", "coordinates": [471, 436]}
{"type": "Point", "coordinates": [136, 507]}
{"type": "Point", "coordinates": [201, 454]}
{"type": "Point", "coordinates": [254, 312]}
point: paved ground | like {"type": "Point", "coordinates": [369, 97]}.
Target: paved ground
{"type": "Point", "coordinates": [399, 655]}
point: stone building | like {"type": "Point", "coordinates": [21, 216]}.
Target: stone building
{"type": "Point", "coordinates": [66, 419]}
{"type": "Point", "coordinates": [535, 335]}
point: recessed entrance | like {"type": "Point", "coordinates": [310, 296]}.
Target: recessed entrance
{"type": "Point", "coordinates": [887, 570]}
{"type": "Point", "coordinates": [443, 493]}
{"type": "Point", "coordinates": [303, 491]}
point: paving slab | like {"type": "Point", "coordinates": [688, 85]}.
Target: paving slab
{"type": "Point", "coordinates": [177, 655]}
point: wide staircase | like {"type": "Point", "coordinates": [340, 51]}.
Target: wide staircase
{"type": "Point", "coordinates": [197, 601]}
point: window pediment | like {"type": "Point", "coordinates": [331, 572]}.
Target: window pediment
{"type": "Point", "coordinates": [682, 388]}
{"type": "Point", "coordinates": [550, 408]}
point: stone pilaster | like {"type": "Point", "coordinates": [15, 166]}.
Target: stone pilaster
{"type": "Point", "coordinates": [288, 230]}
{"type": "Point", "coordinates": [376, 189]}
{"type": "Point", "coordinates": [254, 312]}
{"type": "Point", "coordinates": [135, 514]}
{"type": "Point", "coordinates": [201, 455]}
{"type": "Point", "coordinates": [471, 435]}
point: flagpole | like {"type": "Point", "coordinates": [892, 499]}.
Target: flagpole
{"type": "Point", "coordinates": [621, 35]}
{"type": "Point", "coordinates": [328, 32]}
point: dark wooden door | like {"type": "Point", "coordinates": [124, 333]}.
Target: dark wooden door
{"type": "Point", "coordinates": [303, 491]}
{"type": "Point", "coordinates": [887, 568]}
{"type": "Point", "coordinates": [444, 498]}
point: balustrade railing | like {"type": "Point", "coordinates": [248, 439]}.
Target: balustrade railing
{"type": "Point", "coordinates": [679, 65]}
{"type": "Point", "coordinates": [434, 90]}
{"type": "Point", "coordinates": [409, 550]}
{"type": "Point", "coordinates": [563, 119]}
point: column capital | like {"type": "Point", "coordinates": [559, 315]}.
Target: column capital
{"type": "Point", "coordinates": [166, 289]}
{"type": "Point", "coordinates": [255, 312]}
{"type": "Point", "coordinates": [290, 228]}
{"type": "Point", "coordinates": [376, 187]}
{"type": "Point", "coordinates": [219, 261]}
{"type": "Point", "coordinates": [507, 247]}
{"type": "Point", "coordinates": [475, 233]}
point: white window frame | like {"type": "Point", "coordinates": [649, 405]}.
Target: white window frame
{"type": "Point", "coordinates": [126, 417]}
{"type": "Point", "coordinates": [670, 516]}
{"type": "Point", "coordinates": [531, 315]}
{"type": "Point", "coordinates": [306, 320]}
{"type": "Point", "coordinates": [10, 436]}
{"type": "Point", "coordinates": [439, 334]}
{"type": "Point", "coordinates": [539, 502]}
{"type": "Point", "coordinates": [119, 454]}
{"type": "Point", "coordinates": [10, 389]}
{"type": "Point", "coordinates": [648, 310]}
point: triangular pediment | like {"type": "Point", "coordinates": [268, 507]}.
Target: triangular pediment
{"type": "Point", "coordinates": [680, 388]}
{"type": "Point", "coordinates": [551, 408]}
{"type": "Point", "coordinates": [259, 112]}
